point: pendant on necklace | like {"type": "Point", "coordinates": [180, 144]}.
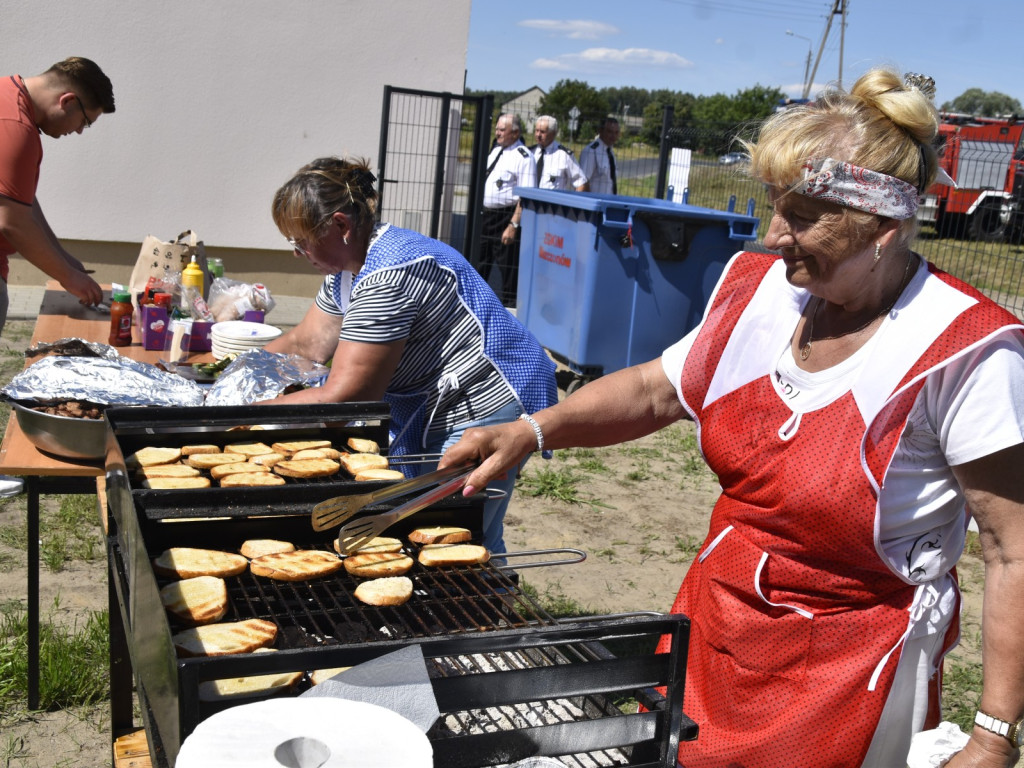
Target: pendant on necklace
{"type": "Point", "coordinates": [805, 351]}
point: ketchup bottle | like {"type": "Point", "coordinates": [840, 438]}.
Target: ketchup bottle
{"type": "Point", "coordinates": [121, 320]}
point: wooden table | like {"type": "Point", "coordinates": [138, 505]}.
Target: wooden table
{"type": "Point", "coordinates": [60, 316]}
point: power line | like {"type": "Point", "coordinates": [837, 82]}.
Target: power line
{"type": "Point", "coordinates": [779, 9]}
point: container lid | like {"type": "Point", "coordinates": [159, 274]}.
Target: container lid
{"type": "Point", "coordinates": [122, 296]}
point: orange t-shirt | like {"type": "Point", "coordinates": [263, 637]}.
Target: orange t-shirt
{"type": "Point", "coordinates": [21, 152]}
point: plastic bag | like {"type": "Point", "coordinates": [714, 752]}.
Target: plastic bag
{"type": "Point", "coordinates": [231, 299]}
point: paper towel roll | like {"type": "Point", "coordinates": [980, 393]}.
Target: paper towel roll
{"type": "Point", "coordinates": [306, 733]}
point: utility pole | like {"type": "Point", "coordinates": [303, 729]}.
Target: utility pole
{"type": "Point", "coordinates": [807, 67]}
{"type": "Point", "coordinates": [838, 7]}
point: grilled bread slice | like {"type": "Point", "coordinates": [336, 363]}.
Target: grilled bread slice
{"type": "Point", "coordinates": [175, 483]}
{"type": "Point", "coordinates": [188, 450]}
{"type": "Point", "coordinates": [299, 565]}
{"type": "Point", "coordinates": [168, 470]}
{"type": "Point", "coordinates": [317, 676]}
{"type": "Point", "coordinates": [257, 547]}
{"type": "Point", "coordinates": [375, 565]}
{"type": "Point", "coordinates": [440, 534]}
{"type": "Point", "coordinates": [199, 600]}
{"type": "Point", "coordinates": [362, 445]}
{"type": "Point", "coordinates": [291, 446]}
{"type": "Point", "coordinates": [267, 459]}
{"type": "Point", "coordinates": [248, 687]}
{"type": "Point", "coordinates": [393, 590]}
{"type": "Point", "coordinates": [250, 479]}
{"type": "Point", "coordinates": [248, 449]}
{"type": "Point", "coordinates": [359, 462]}
{"type": "Point", "coordinates": [438, 555]}
{"type": "Point", "coordinates": [207, 460]}
{"type": "Point", "coordinates": [316, 453]}
{"type": "Point", "coordinates": [234, 468]}
{"type": "Point", "coordinates": [149, 456]}
{"type": "Point", "coordinates": [379, 474]}
{"type": "Point", "coordinates": [306, 468]}
{"type": "Point", "coordinates": [187, 563]}
{"type": "Point", "coordinates": [223, 639]}
{"type": "Point", "coordinates": [376, 544]}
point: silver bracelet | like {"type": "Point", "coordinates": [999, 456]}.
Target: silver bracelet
{"type": "Point", "coordinates": [536, 429]}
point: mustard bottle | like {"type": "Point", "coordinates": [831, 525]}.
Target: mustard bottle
{"type": "Point", "coordinates": [192, 276]}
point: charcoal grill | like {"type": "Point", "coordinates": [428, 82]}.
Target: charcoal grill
{"type": "Point", "coordinates": [510, 681]}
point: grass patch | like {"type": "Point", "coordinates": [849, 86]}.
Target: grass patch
{"type": "Point", "coordinates": [73, 661]}
{"type": "Point", "coordinates": [559, 484]}
{"type": "Point", "coordinates": [71, 533]}
{"type": "Point", "coordinates": [961, 685]}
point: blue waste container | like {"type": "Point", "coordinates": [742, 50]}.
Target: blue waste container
{"type": "Point", "coordinates": [606, 282]}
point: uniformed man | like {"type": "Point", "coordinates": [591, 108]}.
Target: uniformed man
{"type": "Point", "coordinates": [509, 165]}
{"type": "Point", "coordinates": [598, 159]}
{"type": "Point", "coordinates": [556, 166]}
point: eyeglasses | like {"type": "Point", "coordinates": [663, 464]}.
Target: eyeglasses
{"type": "Point", "coordinates": [81, 106]}
{"type": "Point", "coordinates": [302, 250]}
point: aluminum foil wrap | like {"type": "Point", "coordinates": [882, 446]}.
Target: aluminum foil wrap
{"type": "Point", "coordinates": [261, 375]}
{"type": "Point", "coordinates": [112, 380]}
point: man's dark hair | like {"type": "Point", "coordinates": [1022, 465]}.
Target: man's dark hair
{"type": "Point", "coordinates": [605, 121]}
{"type": "Point", "coordinates": [87, 79]}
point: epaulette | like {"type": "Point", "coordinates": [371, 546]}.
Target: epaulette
{"type": "Point", "coordinates": [533, 147]}
{"type": "Point", "coordinates": [596, 144]}
{"type": "Point", "coordinates": [523, 151]}
{"type": "Point", "coordinates": [565, 149]}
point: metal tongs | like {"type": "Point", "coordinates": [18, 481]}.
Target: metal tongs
{"type": "Point", "coordinates": [336, 511]}
{"type": "Point", "coordinates": [357, 533]}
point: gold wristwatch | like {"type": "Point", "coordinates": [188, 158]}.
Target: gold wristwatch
{"type": "Point", "coordinates": [1012, 732]}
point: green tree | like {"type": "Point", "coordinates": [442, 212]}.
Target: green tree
{"type": "Point", "coordinates": [975, 101]}
{"type": "Point", "coordinates": [567, 94]}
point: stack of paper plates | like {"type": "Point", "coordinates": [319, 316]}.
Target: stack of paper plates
{"type": "Point", "coordinates": [238, 336]}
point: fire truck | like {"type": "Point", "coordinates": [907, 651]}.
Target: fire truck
{"type": "Point", "coordinates": [985, 157]}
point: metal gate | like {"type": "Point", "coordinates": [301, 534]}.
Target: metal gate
{"type": "Point", "coordinates": [433, 153]}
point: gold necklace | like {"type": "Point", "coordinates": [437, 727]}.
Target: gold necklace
{"type": "Point", "coordinates": [805, 350]}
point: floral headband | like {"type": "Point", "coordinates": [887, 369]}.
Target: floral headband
{"type": "Point", "coordinates": [855, 187]}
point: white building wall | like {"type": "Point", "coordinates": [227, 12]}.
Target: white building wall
{"type": "Point", "coordinates": [219, 102]}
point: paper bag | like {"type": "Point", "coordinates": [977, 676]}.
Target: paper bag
{"type": "Point", "coordinates": [162, 259]}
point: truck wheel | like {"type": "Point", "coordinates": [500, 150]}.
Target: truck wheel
{"type": "Point", "coordinates": [987, 223]}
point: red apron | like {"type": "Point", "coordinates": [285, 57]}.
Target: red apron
{"type": "Point", "coordinates": [795, 616]}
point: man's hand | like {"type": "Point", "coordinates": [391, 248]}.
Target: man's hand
{"type": "Point", "coordinates": [83, 287]}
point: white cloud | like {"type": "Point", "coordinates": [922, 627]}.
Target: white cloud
{"type": "Point", "coordinates": [574, 29]}
{"type": "Point", "coordinates": [601, 58]}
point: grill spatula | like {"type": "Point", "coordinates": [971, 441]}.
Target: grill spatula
{"type": "Point", "coordinates": [332, 512]}
{"type": "Point", "coordinates": [357, 533]}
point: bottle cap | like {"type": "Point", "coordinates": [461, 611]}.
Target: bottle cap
{"type": "Point", "coordinates": [122, 296]}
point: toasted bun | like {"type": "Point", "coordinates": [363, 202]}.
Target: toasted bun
{"type": "Point", "coordinates": [175, 483]}
{"type": "Point", "coordinates": [248, 687]}
{"type": "Point", "coordinates": [250, 479]}
{"type": "Point", "coordinates": [188, 450]}
{"type": "Point", "coordinates": [168, 470]}
{"type": "Point", "coordinates": [440, 534]}
{"type": "Point", "coordinates": [187, 563]}
{"type": "Point", "coordinates": [258, 547]}
{"type": "Point", "coordinates": [207, 460]}
{"type": "Point", "coordinates": [359, 462]}
{"type": "Point", "coordinates": [306, 468]}
{"type": "Point", "coordinates": [376, 544]}
{"type": "Point", "coordinates": [199, 600]}
{"type": "Point", "coordinates": [379, 474]}
{"type": "Point", "coordinates": [248, 449]}
{"type": "Point", "coordinates": [291, 446]}
{"type": "Point", "coordinates": [317, 676]}
{"type": "Point", "coordinates": [393, 590]}
{"type": "Point", "coordinates": [299, 565]}
{"type": "Point", "coordinates": [374, 565]}
{"type": "Point", "coordinates": [147, 457]}
{"type": "Point", "coordinates": [267, 459]}
{"type": "Point", "coordinates": [361, 445]}
{"type": "Point", "coordinates": [234, 468]}
{"type": "Point", "coordinates": [437, 555]}
{"type": "Point", "coordinates": [223, 639]}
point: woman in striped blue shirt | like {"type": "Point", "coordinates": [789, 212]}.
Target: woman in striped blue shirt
{"type": "Point", "coordinates": [407, 320]}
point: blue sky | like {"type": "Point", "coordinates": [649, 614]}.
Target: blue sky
{"type": "Point", "coordinates": [723, 46]}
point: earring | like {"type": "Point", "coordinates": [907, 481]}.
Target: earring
{"type": "Point", "coordinates": [878, 254]}
{"type": "Point", "coordinates": [344, 239]}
